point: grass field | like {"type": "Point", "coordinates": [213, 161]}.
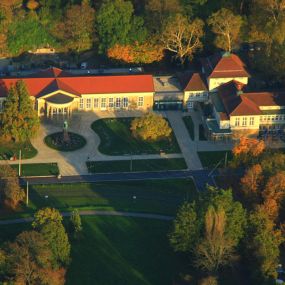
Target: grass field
{"type": "Point", "coordinates": [136, 165]}
{"type": "Point", "coordinates": [211, 158]}
{"type": "Point", "coordinates": [189, 125]}
{"type": "Point", "coordinates": [116, 250]}
{"type": "Point", "coordinates": [116, 139]}
{"type": "Point", "coordinates": [10, 149]}
{"type": "Point", "coordinates": [153, 196]}
{"type": "Point", "coordinates": [37, 169]}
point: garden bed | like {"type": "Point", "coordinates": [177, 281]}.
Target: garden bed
{"type": "Point", "coordinates": [56, 141]}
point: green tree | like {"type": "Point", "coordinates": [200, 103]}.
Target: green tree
{"type": "Point", "coordinates": [26, 33]}
{"type": "Point", "coordinates": [28, 258]}
{"type": "Point", "coordinates": [75, 221]}
{"type": "Point", "coordinates": [48, 222]}
{"type": "Point", "coordinates": [182, 37]}
{"type": "Point", "coordinates": [77, 30]}
{"type": "Point", "coordinates": [116, 24]}
{"type": "Point", "coordinates": [20, 121]}
{"type": "Point", "coordinates": [262, 247]}
{"type": "Point", "coordinates": [227, 26]}
{"type": "Point", "coordinates": [151, 127]}
{"type": "Point", "coordinates": [189, 224]}
{"type": "Point", "coordinates": [186, 228]}
{"type": "Point", "coordinates": [11, 194]}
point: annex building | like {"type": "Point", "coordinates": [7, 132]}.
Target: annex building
{"type": "Point", "coordinates": [55, 91]}
{"type": "Point", "coordinates": [221, 87]}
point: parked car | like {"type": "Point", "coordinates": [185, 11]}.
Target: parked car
{"type": "Point", "coordinates": [83, 65]}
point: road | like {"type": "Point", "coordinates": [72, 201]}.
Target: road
{"type": "Point", "coordinates": [201, 177]}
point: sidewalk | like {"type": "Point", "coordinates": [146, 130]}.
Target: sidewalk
{"type": "Point", "coordinates": [187, 146]}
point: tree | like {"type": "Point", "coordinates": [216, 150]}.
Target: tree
{"type": "Point", "coordinates": [48, 222]}
{"type": "Point", "coordinates": [215, 249]}
{"type": "Point", "coordinates": [186, 228]}
{"type": "Point", "coordinates": [182, 37]}
{"type": "Point", "coordinates": [151, 127]}
{"type": "Point", "coordinates": [136, 53]}
{"type": "Point", "coordinates": [32, 4]}
{"type": "Point", "coordinates": [20, 121]}
{"type": "Point", "coordinates": [11, 193]}
{"type": "Point", "coordinates": [262, 247]}
{"type": "Point", "coordinates": [158, 11]}
{"type": "Point", "coordinates": [75, 221]}
{"type": "Point", "coordinates": [248, 150]}
{"type": "Point", "coordinates": [27, 33]}
{"type": "Point", "coordinates": [28, 258]}
{"type": "Point", "coordinates": [77, 30]}
{"type": "Point", "coordinates": [190, 222]}
{"type": "Point", "coordinates": [251, 182]}
{"type": "Point", "coordinates": [227, 27]}
{"type": "Point", "coordinates": [116, 24]}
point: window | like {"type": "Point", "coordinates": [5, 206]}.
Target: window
{"type": "Point", "coordinates": [81, 103]}
{"type": "Point", "coordinates": [96, 102]}
{"type": "Point", "coordinates": [189, 104]}
{"type": "Point", "coordinates": [251, 121]}
{"type": "Point", "coordinates": [103, 103]}
{"type": "Point", "coordinates": [118, 102]}
{"type": "Point", "coordinates": [125, 102]}
{"type": "Point", "coordinates": [88, 103]}
{"type": "Point", "coordinates": [111, 102]}
{"type": "Point", "coordinates": [244, 121]}
{"type": "Point", "coordinates": [237, 122]}
{"type": "Point", "coordinates": [140, 102]}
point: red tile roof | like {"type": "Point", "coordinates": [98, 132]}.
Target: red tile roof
{"type": "Point", "coordinates": [224, 66]}
{"type": "Point", "coordinates": [78, 85]}
{"type": "Point", "coordinates": [234, 103]}
{"type": "Point", "coordinates": [196, 83]}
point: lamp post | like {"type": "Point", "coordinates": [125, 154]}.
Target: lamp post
{"type": "Point", "coordinates": [20, 157]}
{"type": "Point", "coordinates": [27, 195]}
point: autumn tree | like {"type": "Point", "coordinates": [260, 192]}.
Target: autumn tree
{"type": "Point", "coordinates": [136, 53]}
{"type": "Point", "coordinates": [20, 121]}
{"type": "Point", "coordinates": [32, 5]}
{"type": "Point", "coordinates": [77, 31]}
{"type": "Point", "coordinates": [151, 127]}
{"type": "Point", "coordinates": [248, 150]}
{"type": "Point", "coordinates": [48, 222]}
{"type": "Point", "coordinates": [117, 24]}
{"type": "Point", "coordinates": [227, 28]}
{"type": "Point", "coordinates": [251, 184]}
{"type": "Point", "coordinates": [6, 16]}
{"type": "Point", "coordinates": [182, 37]}
{"type": "Point", "coordinates": [28, 258]}
{"type": "Point", "coordinates": [262, 247]}
{"type": "Point", "coordinates": [11, 194]}
{"type": "Point", "coordinates": [215, 249]}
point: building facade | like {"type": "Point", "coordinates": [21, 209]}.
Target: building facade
{"type": "Point", "coordinates": [54, 91]}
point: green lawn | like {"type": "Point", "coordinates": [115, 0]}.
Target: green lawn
{"type": "Point", "coordinates": [117, 250]}
{"type": "Point", "coordinates": [211, 158]}
{"type": "Point", "coordinates": [37, 169]}
{"type": "Point", "coordinates": [136, 165]}
{"type": "Point", "coordinates": [116, 139]}
{"type": "Point", "coordinates": [9, 149]}
{"type": "Point", "coordinates": [189, 125]}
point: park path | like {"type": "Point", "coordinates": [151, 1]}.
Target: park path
{"type": "Point", "coordinates": [96, 213]}
{"type": "Point", "coordinates": [187, 146]}
{"type": "Point", "coordinates": [74, 163]}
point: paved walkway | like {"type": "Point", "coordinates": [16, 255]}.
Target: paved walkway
{"type": "Point", "coordinates": [96, 213]}
{"type": "Point", "coordinates": [187, 146]}
{"type": "Point", "coordinates": [74, 163]}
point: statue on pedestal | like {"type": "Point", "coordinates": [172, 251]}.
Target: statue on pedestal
{"type": "Point", "coordinates": [65, 132]}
